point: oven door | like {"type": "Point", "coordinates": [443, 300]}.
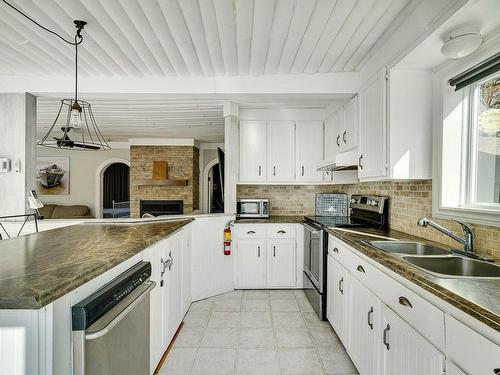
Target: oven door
{"type": "Point", "coordinates": [313, 255]}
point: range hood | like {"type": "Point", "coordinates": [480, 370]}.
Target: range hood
{"type": "Point", "coordinates": [343, 161]}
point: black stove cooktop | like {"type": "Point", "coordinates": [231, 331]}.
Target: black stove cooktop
{"type": "Point", "coordinates": [335, 221]}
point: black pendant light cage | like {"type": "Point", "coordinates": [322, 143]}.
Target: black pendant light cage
{"type": "Point", "coordinates": [83, 133]}
{"type": "Point", "coordinates": [87, 137]}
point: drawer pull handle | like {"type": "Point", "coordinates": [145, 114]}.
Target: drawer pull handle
{"type": "Point", "coordinates": [281, 232]}
{"type": "Point", "coordinates": [370, 318]}
{"type": "Point", "coordinates": [386, 336]}
{"type": "Point", "coordinates": [335, 250]}
{"type": "Point", "coordinates": [341, 285]}
{"type": "Point", "coordinates": [250, 232]}
{"type": "Point", "coordinates": [405, 302]}
{"type": "Point", "coordinates": [360, 268]}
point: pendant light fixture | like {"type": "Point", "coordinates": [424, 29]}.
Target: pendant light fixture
{"type": "Point", "coordinates": [74, 127]}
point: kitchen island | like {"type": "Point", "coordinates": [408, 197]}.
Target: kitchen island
{"type": "Point", "coordinates": [42, 275]}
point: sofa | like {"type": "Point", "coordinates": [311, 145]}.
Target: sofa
{"type": "Point", "coordinates": [58, 211]}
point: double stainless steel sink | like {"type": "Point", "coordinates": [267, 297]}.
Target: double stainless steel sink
{"type": "Point", "coordinates": [438, 261]}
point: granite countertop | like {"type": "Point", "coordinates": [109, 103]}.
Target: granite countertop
{"type": "Point", "coordinates": [39, 268]}
{"type": "Point", "coordinates": [273, 219]}
{"type": "Point", "coordinates": [479, 298]}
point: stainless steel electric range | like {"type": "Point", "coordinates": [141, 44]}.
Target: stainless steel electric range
{"type": "Point", "coordinates": [365, 211]}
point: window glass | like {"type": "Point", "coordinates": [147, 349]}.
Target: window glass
{"type": "Point", "coordinates": [485, 144]}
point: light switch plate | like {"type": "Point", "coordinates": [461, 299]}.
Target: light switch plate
{"type": "Point", "coordinates": [4, 165]}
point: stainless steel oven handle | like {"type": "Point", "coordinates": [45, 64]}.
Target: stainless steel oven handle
{"type": "Point", "coordinates": [310, 228]}
{"type": "Point", "coordinates": [121, 314]}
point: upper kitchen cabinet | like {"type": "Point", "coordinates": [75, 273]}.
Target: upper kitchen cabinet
{"type": "Point", "coordinates": [281, 151]}
{"type": "Point", "coordinates": [372, 129]}
{"type": "Point", "coordinates": [253, 151]}
{"type": "Point", "coordinates": [309, 146]}
{"type": "Point", "coordinates": [395, 133]}
{"type": "Point", "coordinates": [349, 136]}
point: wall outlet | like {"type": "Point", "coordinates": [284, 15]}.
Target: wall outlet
{"type": "Point", "coordinates": [4, 165]}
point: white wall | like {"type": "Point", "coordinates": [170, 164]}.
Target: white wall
{"type": "Point", "coordinates": [83, 166]}
{"type": "Point", "coordinates": [17, 142]}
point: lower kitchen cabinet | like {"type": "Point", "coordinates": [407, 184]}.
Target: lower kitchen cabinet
{"type": "Point", "coordinates": [167, 307]}
{"type": "Point", "coordinates": [336, 304]}
{"type": "Point", "coordinates": [281, 263]}
{"type": "Point", "coordinates": [267, 256]}
{"type": "Point", "coordinates": [363, 327]}
{"type": "Point", "coordinates": [405, 351]}
{"type": "Point", "coordinates": [251, 264]}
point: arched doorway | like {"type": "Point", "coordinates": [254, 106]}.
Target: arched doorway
{"type": "Point", "coordinates": [213, 201]}
{"type": "Point", "coordinates": [113, 184]}
{"type": "Point", "coordinates": [116, 191]}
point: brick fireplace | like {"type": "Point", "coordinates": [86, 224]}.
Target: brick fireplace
{"type": "Point", "coordinates": [183, 163]}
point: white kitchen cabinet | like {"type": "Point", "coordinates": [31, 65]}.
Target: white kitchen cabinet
{"type": "Point", "coordinates": [253, 151]}
{"type": "Point", "coordinates": [395, 126]}
{"type": "Point", "coordinates": [309, 146]}
{"type": "Point", "coordinates": [281, 263]}
{"type": "Point", "coordinates": [337, 304]}
{"type": "Point", "coordinates": [158, 339]}
{"type": "Point", "coordinates": [363, 327]}
{"type": "Point", "coordinates": [349, 136]}
{"type": "Point", "coordinates": [372, 129]}
{"type": "Point", "coordinates": [173, 279]}
{"type": "Point", "coordinates": [281, 151]}
{"type": "Point", "coordinates": [186, 268]}
{"type": "Point", "coordinates": [405, 351]}
{"type": "Point", "coordinates": [338, 121]}
{"type": "Point", "coordinates": [329, 134]}
{"type": "Point", "coordinates": [267, 256]}
{"type": "Point", "coordinates": [251, 263]}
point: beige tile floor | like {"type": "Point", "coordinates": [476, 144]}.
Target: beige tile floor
{"type": "Point", "coordinates": [263, 332]}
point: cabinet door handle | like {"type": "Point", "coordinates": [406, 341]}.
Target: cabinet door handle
{"type": "Point", "coordinates": [281, 232]}
{"type": "Point", "coordinates": [260, 170]}
{"type": "Point", "coordinates": [163, 267]}
{"type": "Point", "coordinates": [258, 251]}
{"type": "Point", "coordinates": [250, 232]}
{"type": "Point", "coordinates": [274, 170]}
{"type": "Point", "coordinates": [335, 250]}
{"type": "Point", "coordinates": [360, 268]}
{"type": "Point", "coordinates": [343, 136]}
{"type": "Point", "coordinates": [370, 318]}
{"type": "Point", "coordinates": [338, 140]}
{"type": "Point", "coordinates": [302, 170]}
{"type": "Point", "coordinates": [341, 285]}
{"type": "Point", "coordinates": [386, 336]}
{"type": "Point", "coordinates": [359, 161]}
{"type": "Point", "coordinates": [274, 251]}
{"type": "Point", "coordinates": [496, 371]}
{"type": "Point", "coordinates": [405, 302]}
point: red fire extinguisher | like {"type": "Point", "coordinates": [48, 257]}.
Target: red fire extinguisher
{"type": "Point", "coordinates": [227, 239]}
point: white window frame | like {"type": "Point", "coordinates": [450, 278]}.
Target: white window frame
{"type": "Point", "coordinates": [476, 214]}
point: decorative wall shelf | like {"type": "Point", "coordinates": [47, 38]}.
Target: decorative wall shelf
{"type": "Point", "coordinates": [167, 182]}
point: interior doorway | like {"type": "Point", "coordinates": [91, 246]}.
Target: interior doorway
{"type": "Point", "coordinates": [215, 196]}
{"type": "Point", "coordinates": [116, 190]}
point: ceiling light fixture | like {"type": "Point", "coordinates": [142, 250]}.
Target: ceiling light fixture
{"type": "Point", "coordinates": [79, 118]}
{"type": "Point", "coordinates": [461, 42]}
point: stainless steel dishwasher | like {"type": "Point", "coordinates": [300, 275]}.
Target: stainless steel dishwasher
{"type": "Point", "coordinates": [111, 327]}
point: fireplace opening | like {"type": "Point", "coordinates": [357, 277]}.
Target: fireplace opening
{"type": "Point", "coordinates": [161, 207]}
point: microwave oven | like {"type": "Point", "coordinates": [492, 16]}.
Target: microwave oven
{"type": "Point", "coordinates": [252, 208]}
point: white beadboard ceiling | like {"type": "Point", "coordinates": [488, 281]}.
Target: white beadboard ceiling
{"type": "Point", "coordinates": [121, 117]}
{"type": "Point", "coordinates": [139, 38]}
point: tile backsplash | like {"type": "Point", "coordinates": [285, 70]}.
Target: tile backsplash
{"type": "Point", "coordinates": [408, 201]}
